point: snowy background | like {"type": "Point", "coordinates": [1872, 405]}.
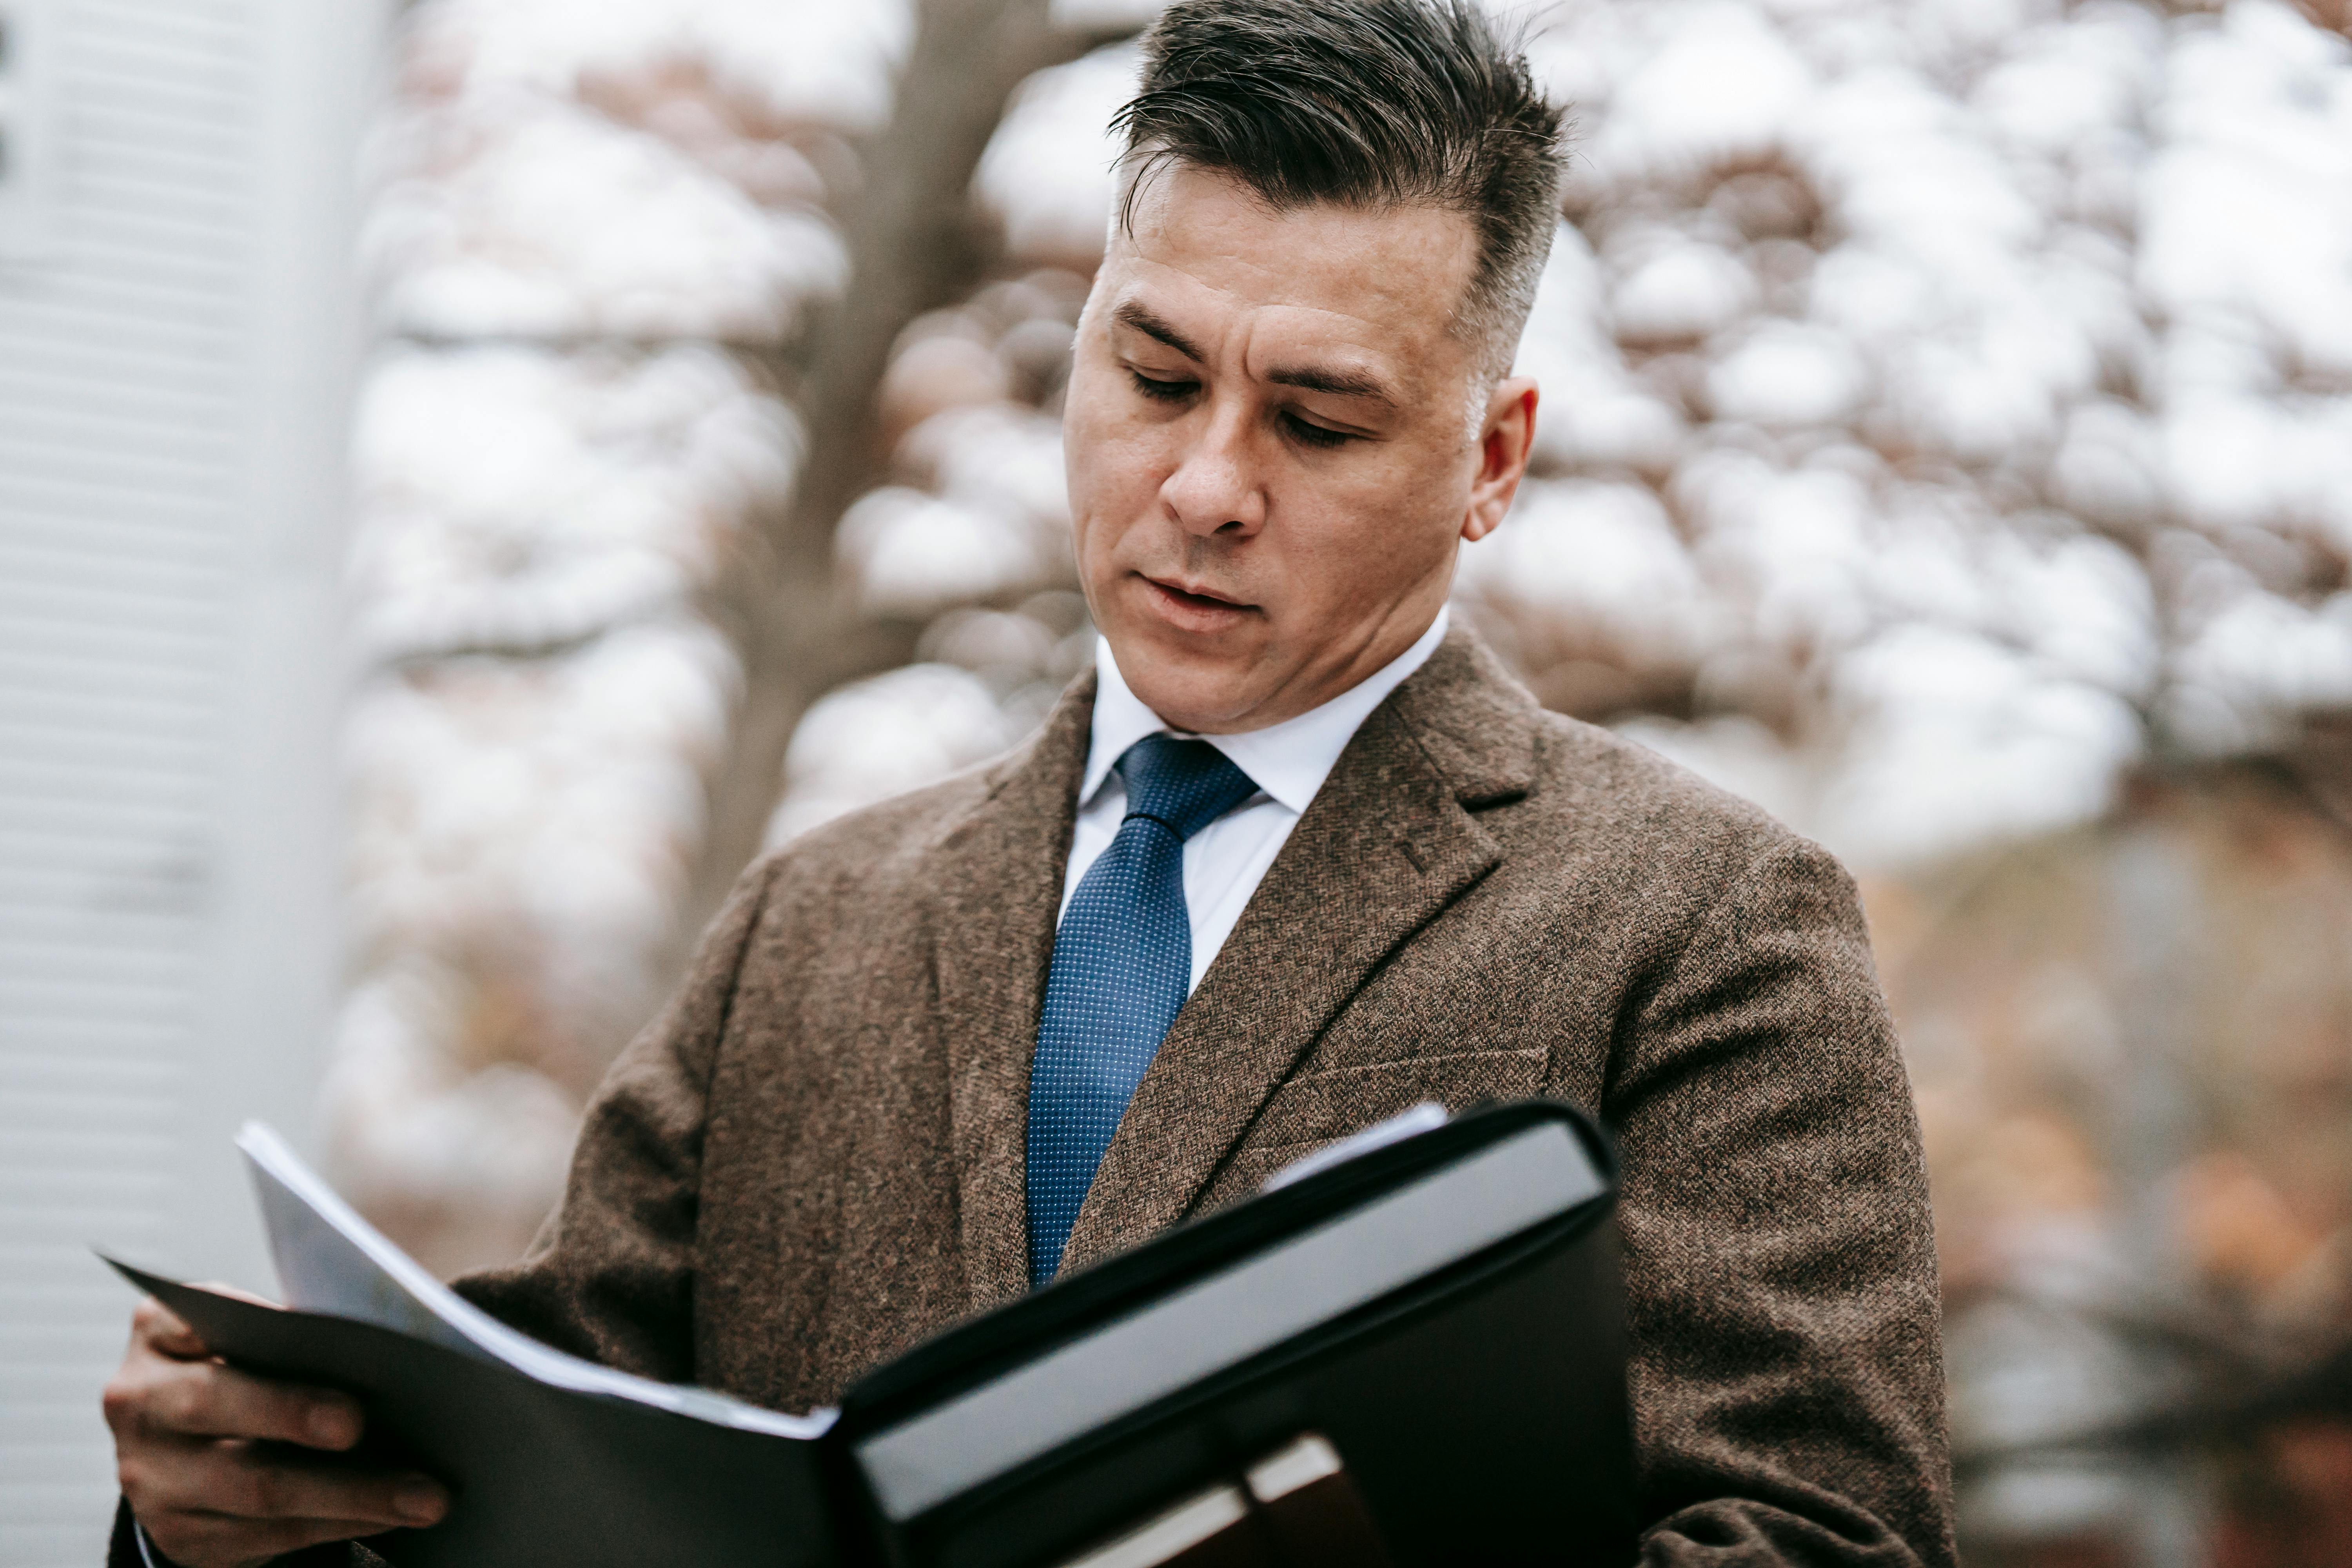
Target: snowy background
{"type": "Point", "coordinates": [1947, 441]}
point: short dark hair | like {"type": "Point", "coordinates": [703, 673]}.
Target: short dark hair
{"type": "Point", "coordinates": [1364, 103]}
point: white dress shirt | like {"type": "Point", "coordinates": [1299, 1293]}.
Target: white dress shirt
{"type": "Point", "coordinates": [1289, 761]}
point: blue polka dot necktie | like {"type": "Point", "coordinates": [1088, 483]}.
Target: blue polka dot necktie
{"type": "Point", "coordinates": [1122, 967]}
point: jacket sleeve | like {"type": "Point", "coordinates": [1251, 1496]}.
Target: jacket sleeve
{"type": "Point", "coordinates": [1787, 1375]}
{"type": "Point", "coordinates": [611, 1274]}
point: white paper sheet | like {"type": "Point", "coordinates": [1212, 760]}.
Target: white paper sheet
{"type": "Point", "coordinates": [331, 1261]}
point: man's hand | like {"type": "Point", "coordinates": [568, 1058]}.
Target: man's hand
{"type": "Point", "coordinates": [190, 1447]}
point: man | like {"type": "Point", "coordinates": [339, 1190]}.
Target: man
{"type": "Point", "coordinates": [1296, 856]}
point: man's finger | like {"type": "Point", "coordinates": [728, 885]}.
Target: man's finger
{"type": "Point", "coordinates": [239, 1481]}
{"type": "Point", "coordinates": [196, 1537]}
{"type": "Point", "coordinates": [165, 1331]}
{"type": "Point", "coordinates": [162, 1329]}
{"type": "Point", "coordinates": [206, 1399]}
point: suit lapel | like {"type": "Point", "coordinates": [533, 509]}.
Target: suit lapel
{"type": "Point", "coordinates": [1388, 843]}
{"type": "Point", "coordinates": [999, 878]}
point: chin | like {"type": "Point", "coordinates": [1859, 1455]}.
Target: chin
{"type": "Point", "coordinates": [1191, 688]}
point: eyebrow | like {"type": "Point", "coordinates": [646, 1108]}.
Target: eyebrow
{"type": "Point", "coordinates": [1142, 319]}
{"type": "Point", "coordinates": [1338, 382]}
{"type": "Point", "coordinates": [1306, 377]}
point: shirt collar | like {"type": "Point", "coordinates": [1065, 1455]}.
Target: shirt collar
{"type": "Point", "coordinates": [1288, 761]}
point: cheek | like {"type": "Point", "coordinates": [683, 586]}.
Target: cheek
{"type": "Point", "coordinates": [1115, 463]}
{"type": "Point", "coordinates": [1111, 488]}
{"type": "Point", "coordinates": [1385, 527]}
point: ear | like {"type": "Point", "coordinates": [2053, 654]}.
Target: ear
{"type": "Point", "coordinates": [1504, 441]}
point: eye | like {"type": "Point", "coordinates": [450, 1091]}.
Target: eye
{"type": "Point", "coordinates": [1163, 391]}
{"type": "Point", "coordinates": [1307, 433]}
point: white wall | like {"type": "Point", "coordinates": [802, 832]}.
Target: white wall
{"type": "Point", "coordinates": [176, 333]}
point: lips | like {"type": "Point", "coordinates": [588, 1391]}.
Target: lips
{"type": "Point", "coordinates": [1200, 597]}
{"type": "Point", "coordinates": [1194, 609]}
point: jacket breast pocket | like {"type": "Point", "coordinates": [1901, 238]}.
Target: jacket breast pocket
{"type": "Point", "coordinates": [1323, 1104]}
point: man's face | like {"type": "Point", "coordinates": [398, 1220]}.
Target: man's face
{"type": "Point", "coordinates": [1270, 460]}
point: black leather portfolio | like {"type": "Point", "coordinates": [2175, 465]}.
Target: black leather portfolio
{"type": "Point", "coordinates": [1432, 1327]}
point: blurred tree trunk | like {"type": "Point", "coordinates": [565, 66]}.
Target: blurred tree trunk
{"type": "Point", "coordinates": [913, 246]}
{"type": "Point", "coordinates": [2153, 1133]}
{"type": "Point", "coordinates": [2335, 15]}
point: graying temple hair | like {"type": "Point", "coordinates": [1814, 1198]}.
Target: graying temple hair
{"type": "Point", "coordinates": [1363, 103]}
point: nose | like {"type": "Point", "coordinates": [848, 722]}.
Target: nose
{"type": "Point", "coordinates": [1215, 489]}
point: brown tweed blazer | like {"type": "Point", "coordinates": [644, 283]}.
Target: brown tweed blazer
{"type": "Point", "coordinates": [814, 1159]}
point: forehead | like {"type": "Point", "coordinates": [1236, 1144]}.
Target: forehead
{"type": "Point", "coordinates": [1383, 279]}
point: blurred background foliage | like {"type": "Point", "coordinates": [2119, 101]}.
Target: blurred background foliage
{"type": "Point", "coordinates": [1946, 441]}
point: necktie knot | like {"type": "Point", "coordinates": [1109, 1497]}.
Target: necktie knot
{"type": "Point", "coordinates": [1184, 786]}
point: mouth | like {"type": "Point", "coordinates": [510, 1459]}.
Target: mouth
{"type": "Point", "coordinates": [1195, 606]}
{"type": "Point", "coordinates": [1197, 596]}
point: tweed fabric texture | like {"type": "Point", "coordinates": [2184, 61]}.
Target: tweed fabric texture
{"type": "Point", "coordinates": [1122, 967]}
{"type": "Point", "coordinates": [815, 1157]}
